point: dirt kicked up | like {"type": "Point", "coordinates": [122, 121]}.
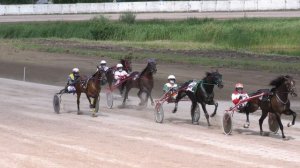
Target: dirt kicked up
{"type": "Point", "coordinates": [32, 135]}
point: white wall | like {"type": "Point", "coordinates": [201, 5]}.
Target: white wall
{"type": "Point", "coordinates": [165, 6]}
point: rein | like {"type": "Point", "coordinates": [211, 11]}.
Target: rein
{"type": "Point", "coordinates": [281, 100]}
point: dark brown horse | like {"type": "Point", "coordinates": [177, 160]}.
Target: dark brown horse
{"type": "Point", "coordinates": [143, 81]}
{"type": "Point", "coordinates": [110, 72]}
{"type": "Point", "coordinates": [91, 87]}
{"type": "Point", "coordinates": [203, 94]}
{"type": "Point", "coordinates": [277, 102]}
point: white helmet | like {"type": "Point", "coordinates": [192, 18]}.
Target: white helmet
{"type": "Point", "coordinates": [119, 66]}
{"type": "Point", "coordinates": [102, 62]}
{"type": "Point", "coordinates": [75, 70]}
{"type": "Point", "coordinates": [171, 77]}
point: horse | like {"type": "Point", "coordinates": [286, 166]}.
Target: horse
{"type": "Point", "coordinates": [276, 102]}
{"type": "Point", "coordinates": [110, 72]}
{"type": "Point", "coordinates": [91, 87]}
{"type": "Point", "coordinates": [203, 93]}
{"type": "Point", "coordinates": [143, 81]}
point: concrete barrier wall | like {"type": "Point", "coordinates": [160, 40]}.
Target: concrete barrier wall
{"type": "Point", "coordinates": [166, 6]}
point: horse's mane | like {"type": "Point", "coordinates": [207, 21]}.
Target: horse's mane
{"type": "Point", "coordinates": [279, 80]}
{"type": "Point", "coordinates": [148, 64]}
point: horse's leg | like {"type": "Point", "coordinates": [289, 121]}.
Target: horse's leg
{"type": "Point", "coordinates": [205, 112]}
{"type": "Point", "coordinates": [261, 120]}
{"type": "Point", "coordinates": [216, 108]}
{"type": "Point", "coordinates": [180, 95]}
{"type": "Point", "coordinates": [139, 94]}
{"type": "Point", "coordinates": [280, 124]}
{"type": "Point", "coordinates": [94, 106]}
{"type": "Point", "coordinates": [89, 100]}
{"type": "Point", "coordinates": [294, 118]}
{"type": "Point", "coordinates": [126, 95]}
{"type": "Point", "coordinates": [150, 95]}
{"type": "Point", "coordinates": [78, 102]}
{"type": "Point", "coordinates": [247, 124]}
{"type": "Point", "coordinates": [194, 104]}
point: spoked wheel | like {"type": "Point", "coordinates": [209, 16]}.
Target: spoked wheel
{"type": "Point", "coordinates": [109, 99]}
{"type": "Point", "coordinates": [227, 123]}
{"type": "Point", "coordinates": [159, 113]}
{"type": "Point", "coordinates": [97, 104]}
{"type": "Point", "coordinates": [273, 124]}
{"type": "Point", "coordinates": [196, 116]}
{"type": "Point", "coordinates": [56, 103]}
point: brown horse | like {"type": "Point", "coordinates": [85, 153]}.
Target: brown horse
{"type": "Point", "coordinates": [143, 81]}
{"type": "Point", "coordinates": [203, 94]}
{"type": "Point", "coordinates": [276, 101]}
{"type": "Point", "coordinates": [91, 87]}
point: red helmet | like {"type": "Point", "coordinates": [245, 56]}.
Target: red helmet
{"type": "Point", "coordinates": [239, 85]}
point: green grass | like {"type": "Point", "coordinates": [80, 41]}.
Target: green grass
{"type": "Point", "coordinates": [248, 64]}
{"type": "Point", "coordinates": [274, 36]}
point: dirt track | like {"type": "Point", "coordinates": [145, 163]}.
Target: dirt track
{"type": "Point", "coordinates": [33, 136]}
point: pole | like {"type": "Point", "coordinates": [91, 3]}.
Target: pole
{"type": "Point", "coordinates": [24, 75]}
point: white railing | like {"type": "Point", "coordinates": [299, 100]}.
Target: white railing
{"type": "Point", "coordinates": [164, 6]}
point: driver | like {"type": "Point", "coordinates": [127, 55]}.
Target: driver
{"type": "Point", "coordinates": [70, 88]}
{"type": "Point", "coordinates": [239, 95]}
{"type": "Point", "coordinates": [103, 66]}
{"type": "Point", "coordinates": [171, 86]}
{"type": "Point", "coordinates": [120, 74]}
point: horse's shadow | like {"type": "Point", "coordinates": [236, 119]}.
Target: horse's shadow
{"type": "Point", "coordinates": [265, 134]}
{"type": "Point", "coordinates": [87, 113]}
{"type": "Point", "coordinates": [135, 107]}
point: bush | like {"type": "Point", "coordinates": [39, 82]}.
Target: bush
{"type": "Point", "coordinates": [102, 29]}
{"type": "Point", "coordinates": [127, 17]}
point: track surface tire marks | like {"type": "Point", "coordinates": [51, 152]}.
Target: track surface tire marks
{"type": "Point", "coordinates": [32, 135]}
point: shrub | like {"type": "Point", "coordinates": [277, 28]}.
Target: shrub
{"type": "Point", "coordinates": [127, 17]}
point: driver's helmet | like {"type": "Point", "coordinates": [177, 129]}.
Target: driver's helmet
{"type": "Point", "coordinates": [119, 67]}
{"type": "Point", "coordinates": [239, 86]}
{"type": "Point", "coordinates": [102, 63]}
{"type": "Point", "coordinates": [171, 78]}
{"type": "Point", "coordinates": [75, 70]}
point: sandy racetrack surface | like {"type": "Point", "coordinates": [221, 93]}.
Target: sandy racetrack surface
{"type": "Point", "coordinates": [32, 135]}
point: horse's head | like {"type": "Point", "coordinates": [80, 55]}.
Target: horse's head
{"type": "Point", "coordinates": [126, 64]}
{"type": "Point", "coordinates": [286, 82]}
{"type": "Point", "coordinates": [100, 74]}
{"type": "Point", "coordinates": [215, 78]}
{"type": "Point", "coordinates": [152, 65]}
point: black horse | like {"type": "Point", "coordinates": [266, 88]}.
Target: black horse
{"type": "Point", "coordinates": [276, 101]}
{"type": "Point", "coordinates": [203, 93]}
{"type": "Point", "coordinates": [143, 81]}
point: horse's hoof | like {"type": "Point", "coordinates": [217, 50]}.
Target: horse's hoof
{"type": "Point", "coordinates": [246, 125]}
{"type": "Point", "coordinates": [94, 115]}
{"type": "Point", "coordinates": [289, 124]}
{"type": "Point", "coordinates": [195, 123]}
{"type": "Point", "coordinates": [261, 133]}
{"type": "Point", "coordinates": [212, 115]}
{"type": "Point", "coordinates": [79, 113]}
{"type": "Point", "coordinates": [92, 110]}
{"type": "Point", "coordinates": [283, 137]}
{"type": "Point", "coordinates": [174, 111]}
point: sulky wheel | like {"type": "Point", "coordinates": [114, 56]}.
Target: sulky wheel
{"type": "Point", "coordinates": [56, 103]}
{"type": "Point", "coordinates": [159, 113]}
{"type": "Point", "coordinates": [273, 124]}
{"type": "Point", "coordinates": [227, 123]}
{"type": "Point", "coordinates": [109, 99]}
{"type": "Point", "coordinates": [196, 116]}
